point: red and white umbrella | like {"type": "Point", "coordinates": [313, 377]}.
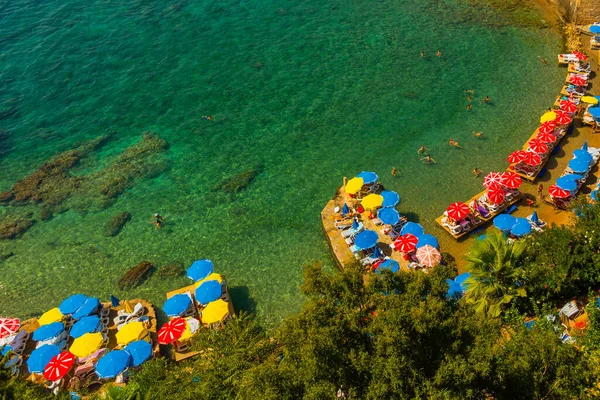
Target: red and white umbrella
{"type": "Point", "coordinates": [577, 80]}
{"type": "Point", "coordinates": [511, 180]}
{"type": "Point", "coordinates": [547, 127]}
{"type": "Point", "coordinates": [538, 146]}
{"type": "Point", "coordinates": [516, 156]}
{"type": "Point", "coordinates": [568, 106]}
{"type": "Point", "coordinates": [532, 158]}
{"type": "Point", "coordinates": [59, 366]}
{"type": "Point", "coordinates": [9, 326]}
{"type": "Point", "coordinates": [493, 178]}
{"type": "Point", "coordinates": [546, 137]}
{"type": "Point", "coordinates": [406, 243]}
{"type": "Point", "coordinates": [557, 192]}
{"type": "Point", "coordinates": [563, 118]}
{"type": "Point", "coordinates": [458, 211]}
{"type": "Point", "coordinates": [580, 56]}
{"type": "Point", "coordinates": [428, 256]}
{"type": "Point", "coordinates": [495, 194]}
{"type": "Point", "coordinates": [171, 331]}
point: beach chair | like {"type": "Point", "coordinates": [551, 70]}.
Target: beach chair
{"type": "Point", "coordinates": [343, 224]}
{"type": "Point", "coordinates": [368, 260]}
{"type": "Point", "coordinates": [14, 364]}
{"type": "Point", "coordinates": [84, 376]}
{"type": "Point", "coordinates": [351, 232]}
{"type": "Point", "coordinates": [19, 341]}
{"type": "Point", "coordinates": [376, 221]}
{"type": "Point", "coordinates": [123, 317]}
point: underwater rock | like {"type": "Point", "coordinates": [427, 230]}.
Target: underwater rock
{"type": "Point", "coordinates": [171, 270]}
{"type": "Point", "coordinates": [6, 196]}
{"type": "Point", "coordinates": [135, 276]}
{"type": "Point", "coordinates": [45, 214]}
{"type": "Point", "coordinates": [6, 255]}
{"type": "Point", "coordinates": [10, 229]}
{"type": "Point", "coordinates": [117, 223]}
{"type": "Point", "coordinates": [239, 182]}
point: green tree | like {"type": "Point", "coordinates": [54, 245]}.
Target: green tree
{"type": "Point", "coordinates": [496, 274]}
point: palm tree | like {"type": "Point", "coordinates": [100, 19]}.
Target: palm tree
{"type": "Point", "coordinates": [495, 273]}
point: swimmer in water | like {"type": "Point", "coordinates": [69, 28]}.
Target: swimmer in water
{"type": "Point", "coordinates": [486, 99]}
{"type": "Point", "coordinates": [157, 220]}
{"type": "Point", "coordinates": [439, 53]}
{"type": "Point", "coordinates": [476, 172]}
{"type": "Point", "coordinates": [469, 107]}
{"type": "Point", "coordinates": [478, 134]}
{"type": "Point", "coordinates": [207, 117]}
{"type": "Point", "coordinates": [428, 160]}
{"type": "Point", "coordinates": [422, 54]}
{"type": "Point", "coordinates": [422, 149]}
{"type": "Point", "coordinates": [394, 170]}
{"type": "Point", "coordinates": [454, 143]}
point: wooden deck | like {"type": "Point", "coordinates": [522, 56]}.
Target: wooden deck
{"type": "Point", "coordinates": [483, 221]}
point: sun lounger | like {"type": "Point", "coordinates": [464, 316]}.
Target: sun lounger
{"type": "Point", "coordinates": [84, 376]}
{"type": "Point", "coordinates": [351, 232]}
{"type": "Point", "coordinates": [57, 340]}
{"type": "Point", "coordinates": [14, 364]}
{"type": "Point", "coordinates": [376, 221]}
{"type": "Point", "coordinates": [369, 260]}
{"type": "Point", "coordinates": [19, 341]}
{"type": "Point", "coordinates": [344, 224]}
{"type": "Point", "coordinates": [567, 58]}
{"type": "Point", "coordinates": [123, 317]}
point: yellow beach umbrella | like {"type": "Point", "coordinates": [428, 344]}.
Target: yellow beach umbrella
{"type": "Point", "coordinates": [354, 185]}
{"type": "Point", "coordinates": [50, 316]}
{"type": "Point", "coordinates": [589, 99]}
{"type": "Point", "coordinates": [372, 201]}
{"type": "Point", "coordinates": [86, 344]}
{"type": "Point", "coordinates": [131, 332]}
{"type": "Point", "coordinates": [215, 311]}
{"type": "Point", "coordinates": [212, 277]}
{"type": "Point", "coordinates": [548, 116]}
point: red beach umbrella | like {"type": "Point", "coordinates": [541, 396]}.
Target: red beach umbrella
{"type": "Point", "coordinates": [538, 146]}
{"type": "Point", "coordinates": [546, 137]}
{"type": "Point", "coordinates": [429, 256]}
{"type": "Point", "coordinates": [577, 80]}
{"type": "Point", "coordinates": [458, 211]}
{"type": "Point", "coordinates": [568, 106]}
{"type": "Point", "coordinates": [547, 127]}
{"type": "Point", "coordinates": [532, 158]}
{"type": "Point", "coordinates": [8, 326]}
{"type": "Point", "coordinates": [580, 56]}
{"type": "Point", "coordinates": [495, 194]}
{"type": "Point", "coordinates": [406, 243]}
{"type": "Point", "coordinates": [563, 118]}
{"type": "Point", "coordinates": [557, 192]}
{"type": "Point", "coordinates": [493, 178]}
{"type": "Point", "coordinates": [59, 366]}
{"type": "Point", "coordinates": [511, 180]}
{"type": "Point", "coordinates": [171, 331]}
{"type": "Point", "coordinates": [516, 156]}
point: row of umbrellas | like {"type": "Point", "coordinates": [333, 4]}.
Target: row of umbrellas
{"type": "Point", "coordinates": [355, 184]}
{"type": "Point", "coordinates": [515, 226]}
{"type": "Point", "coordinates": [413, 238]}
{"type": "Point", "coordinates": [568, 184]}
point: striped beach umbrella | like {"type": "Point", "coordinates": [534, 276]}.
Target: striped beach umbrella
{"type": "Point", "coordinates": [538, 146]}
{"type": "Point", "coordinates": [429, 256]}
{"type": "Point", "coordinates": [563, 118]}
{"type": "Point", "coordinates": [493, 178]}
{"type": "Point", "coordinates": [580, 56]}
{"type": "Point", "coordinates": [557, 192]}
{"type": "Point", "coordinates": [532, 158]}
{"type": "Point", "coordinates": [511, 180]}
{"type": "Point", "coordinates": [59, 366]}
{"type": "Point", "coordinates": [577, 80]}
{"type": "Point", "coordinates": [516, 156]}
{"type": "Point", "coordinates": [546, 137]}
{"type": "Point", "coordinates": [495, 194]}
{"type": "Point", "coordinates": [171, 331]}
{"type": "Point", "coordinates": [406, 243]}
{"type": "Point", "coordinates": [458, 211]}
{"type": "Point", "coordinates": [9, 326]}
{"type": "Point", "coordinates": [547, 127]}
{"type": "Point", "coordinates": [568, 106]}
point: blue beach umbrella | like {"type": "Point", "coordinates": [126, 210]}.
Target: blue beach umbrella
{"type": "Point", "coordinates": [594, 194]}
{"type": "Point", "coordinates": [355, 224]}
{"type": "Point", "coordinates": [90, 306]}
{"type": "Point", "coordinates": [595, 112]}
{"type": "Point", "coordinates": [504, 222]}
{"type": "Point", "coordinates": [177, 305]}
{"type": "Point", "coordinates": [368, 177]}
{"type": "Point", "coordinates": [139, 351]}
{"type": "Point", "coordinates": [113, 363]}
{"type": "Point", "coordinates": [390, 264]}
{"type": "Point", "coordinates": [72, 303]}
{"type": "Point", "coordinates": [580, 153]}
{"type": "Point", "coordinates": [366, 239]}
{"type": "Point", "coordinates": [49, 331]}
{"type": "Point", "coordinates": [585, 146]}
{"type": "Point", "coordinates": [377, 253]}
{"type": "Point", "coordinates": [427, 239]}
{"type": "Point", "coordinates": [521, 228]}
{"type": "Point", "coordinates": [85, 325]}
{"type": "Point", "coordinates": [566, 184]}
{"type": "Point", "coordinates": [595, 28]}
{"type": "Point", "coordinates": [208, 291]}
{"type": "Point", "coordinates": [579, 165]}
{"type": "Point", "coordinates": [462, 279]}
{"type": "Point", "coordinates": [390, 198]}
{"type": "Point", "coordinates": [40, 357]}
{"type": "Point", "coordinates": [114, 301]}
{"type": "Point", "coordinates": [345, 209]}
{"type": "Point", "coordinates": [413, 228]}
{"type": "Point", "coordinates": [454, 290]}
{"type": "Point", "coordinates": [534, 217]}
{"type": "Point", "coordinates": [388, 216]}
{"type": "Point", "coordinates": [199, 270]}
{"type": "Point", "coordinates": [575, 177]}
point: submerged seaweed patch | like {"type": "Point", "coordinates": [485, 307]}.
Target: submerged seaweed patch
{"type": "Point", "coordinates": [239, 182]}
{"type": "Point", "coordinates": [135, 276]}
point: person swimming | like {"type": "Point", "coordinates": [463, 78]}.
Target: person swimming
{"type": "Point", "coordinates": [157, 220]}
{"type": "Point", "coordinates": [454, 143]}
{"type": "Point", "coordinates": [439, 53]}
{"type": "Point", "coordinates": [478, 134]}
{"type": "Point", "coordinates": [469, 107]}
{"type": "Point", "coordinates": [428, 160]}
{"type": "Point", "coordinates": [207, 117]}
{"type": "Point", "coordinates": [422, 149]}
{"type": "Point", "coordinates": [476, 172]}
{"type": "Point", "coordinates": [486, 99]}
{"type": "Point", "coordinates": [422, 54]}
{"type": "Point", "coordinates": [394, 170]}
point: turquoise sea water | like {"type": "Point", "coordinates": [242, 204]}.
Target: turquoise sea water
{"type": "Point", "coordinates": [313, 91]}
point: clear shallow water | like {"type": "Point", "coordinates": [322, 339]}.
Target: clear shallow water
{"type": "Point", "coordinates": [313, 91]}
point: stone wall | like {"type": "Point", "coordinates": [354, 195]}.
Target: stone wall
{"type": "Point", "coordinates": [579, 11]}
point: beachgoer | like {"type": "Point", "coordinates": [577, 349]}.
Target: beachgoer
{"type": "Point", "coordinates": [157, 220]}
{"type": "Point", "coordinates": [472, 91]}
{"type": "Point", "coordinates": [540, 191]}
{"type": "Point", "coordinates": [207, 117]}
{"type": "Point", "coordinates": [422, 149]}
{"type": "Point", "coordinates": [476, 172]}
{"type": "Point", "coordinates": [469, 98]}
{"type": "Point", "coordinates": [439, 53]}
{"type": "Point", "coordinates": [469, 107]}
{"type": "Point", "coordinates": [394, 170]}
{"type": "Point", "coordinates": [486, 99]}
{"type": "Point", "coordinates": [542, 60]}
{"type": "Point", "coordinates": [454, 143]}
{"type": "Point", "coordinates": [529, 202]}
{"type": "Point", "coordinates": [422, 54]}
{"type": "Point", "coordinates": [428, 160]}
{"type": "Point", "coordinates": [478, 134]}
